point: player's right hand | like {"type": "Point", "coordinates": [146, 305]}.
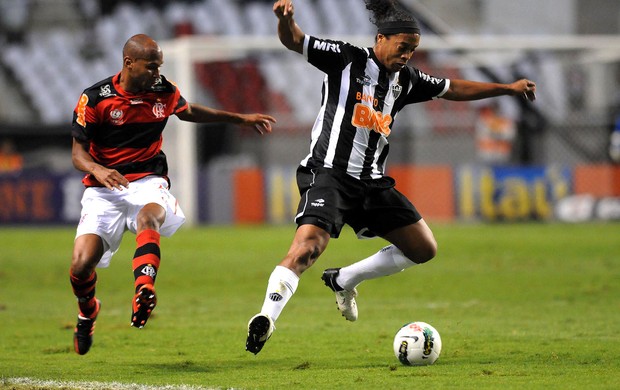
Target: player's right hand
{"type": "Point", "coordinates": [283, 8]}
{"type": "Point", "coordinates": [110, 178]}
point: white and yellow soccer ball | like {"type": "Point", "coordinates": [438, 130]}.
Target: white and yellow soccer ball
{"type": "Point", "coordinates": [417, 344]}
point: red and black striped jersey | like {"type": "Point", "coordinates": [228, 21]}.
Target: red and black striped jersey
{"type": "Point", "coordinates": [124, 129]}
{"type": "Point", "coordinates": [359, 103]}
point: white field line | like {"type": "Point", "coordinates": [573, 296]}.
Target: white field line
{"type": "Point", "coordinates": [65, 385]}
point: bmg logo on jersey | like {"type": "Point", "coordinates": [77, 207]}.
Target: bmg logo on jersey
{"type": "Point", "coordinates": [367, 117]}
{"type": "Point", "coordinates": [159, 110]}
{"type": "Point", "coordinates": [326, 46]}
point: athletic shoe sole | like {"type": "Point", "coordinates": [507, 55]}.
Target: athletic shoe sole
{"type": "Point", "coordinates": [260, 329]}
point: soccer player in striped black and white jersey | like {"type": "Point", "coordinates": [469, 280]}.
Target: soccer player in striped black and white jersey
{"type": "Point", "coordinates": [117, 139]}
{"type": "Point", "coordinates": [342, 180]}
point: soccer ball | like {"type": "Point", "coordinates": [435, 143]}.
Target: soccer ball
{"type": "Point", "coordinates": [417, 344]}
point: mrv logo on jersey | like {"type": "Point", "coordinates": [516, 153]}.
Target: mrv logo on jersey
{"type": "Point", "coordinates": [326, 46]}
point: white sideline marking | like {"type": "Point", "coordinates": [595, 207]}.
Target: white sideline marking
{"type": "Point", "coordinates": [93, 385]}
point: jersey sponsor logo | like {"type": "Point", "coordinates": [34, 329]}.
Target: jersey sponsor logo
{"type": "Point", "coordinates": [116, 116]}
{"type": "Point", "coordinates": [136, 101]}
{"type": "Point", "coordinates": [363, 97]}
{"type": "Point", "coordinates": [159, 110]}
{"type": "Point", "coordinates": [158, 86]}
{"type": "Point", "coordinates": [366, 117]}
{"type": "Point", "coordinates": [430, 79]}
{"type": "Point", "coordinates": [363, 80]}
{"type": "Point", "coordinates": [326, 46]}
{"type": "Point", "coordinates": [106, 91]}
{"type": "Point", "coordinates": [81, 110]}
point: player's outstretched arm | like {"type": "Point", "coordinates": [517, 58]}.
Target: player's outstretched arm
{"type": "Point", "coordinates": [474, 90]}
{"type": "Point", "coordinates": [290, 34]}
{"type": "Point", "coordinates": [203, 114]}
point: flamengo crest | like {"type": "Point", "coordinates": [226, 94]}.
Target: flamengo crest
{"type": "Point", "coordinates": [159, 110]}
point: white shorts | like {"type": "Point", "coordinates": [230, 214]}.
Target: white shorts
{"type": "Point", "coordinates": [109, 213]}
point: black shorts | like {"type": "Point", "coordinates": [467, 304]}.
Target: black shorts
{"type": "Point", "coordinates": [329, 199]}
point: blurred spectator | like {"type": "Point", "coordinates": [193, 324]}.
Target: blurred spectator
{"type": "Point", "coordinates": [614, 143]}
{"type": "Point", "coordinates": [495, 135]}
{"type": "Point", "coordinates": [10, 160]}
{"type": "Point", "coordinates": [614, 137]}
{"type": "Point", "coordinates": [90, 10]}
{"type": "Point", "coordinates": [14, 15]}
{"type": "Point", "coordinates": [108, 6]}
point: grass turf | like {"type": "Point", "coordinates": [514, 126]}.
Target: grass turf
{"type": "Point", "coordinates": [517, 306]}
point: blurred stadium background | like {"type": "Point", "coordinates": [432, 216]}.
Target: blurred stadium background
{"type": "Point", "coordinates": [505, 160]}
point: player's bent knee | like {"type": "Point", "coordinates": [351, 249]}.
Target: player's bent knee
{"type": "Point", "coordinates": [422, 253]}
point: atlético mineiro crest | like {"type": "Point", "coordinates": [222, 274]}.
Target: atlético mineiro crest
{"type": "Point", "coordinates": [396, 90]}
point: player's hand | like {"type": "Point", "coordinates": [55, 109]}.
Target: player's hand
{"type": "Point", "coordinates": [110, 178]}
{"type": "Point", "coordinates": [525, 88]}
{"type": "Point", "coordinates": [283, 9]}
{"type": "Point", "coordinates": [261, 122]}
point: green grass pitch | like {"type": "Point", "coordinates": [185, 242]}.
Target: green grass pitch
{"type": "Point", "coordinates": [518, 306]}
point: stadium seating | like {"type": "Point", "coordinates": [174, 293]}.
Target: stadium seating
{"type": "Point", "coordinates": [54, 65]}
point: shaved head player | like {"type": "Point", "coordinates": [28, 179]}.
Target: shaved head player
{"type": "Point", "coordinates": [117, 139]}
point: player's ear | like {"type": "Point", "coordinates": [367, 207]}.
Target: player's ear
{"type": "Point", "coordinates": [127, 61]}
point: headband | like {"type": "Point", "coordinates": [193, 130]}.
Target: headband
{"type": "Point", "coordinates": [399, 27]}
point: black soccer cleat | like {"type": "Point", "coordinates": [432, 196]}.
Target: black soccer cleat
{"type": "Point", "coordinates": [329, 277]}
{"type": "Point", "coordinates": [83, 333]}
{"type": "Point", "coordinates": [143, 304]}
{"type": "Point", "coordinates": [260, 329]}
{"type": "Point", "coordinates": [345, 299]}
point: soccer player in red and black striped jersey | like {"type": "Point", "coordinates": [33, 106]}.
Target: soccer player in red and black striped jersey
{"type": "Point", "coordinates": [117, 140]}
{"type": "Point", "coordinates": [342, 180]}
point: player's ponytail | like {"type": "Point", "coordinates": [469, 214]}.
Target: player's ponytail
{"type": "Point", "coordinates": [390, 18]}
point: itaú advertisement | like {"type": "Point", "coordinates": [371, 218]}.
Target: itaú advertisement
{"type": "Point", "coordinates": [510, 193]}
{"type": "Point", "coordinates": [40, 198]}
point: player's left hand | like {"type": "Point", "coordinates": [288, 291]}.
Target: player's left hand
{"type": "Point", "coordinates": [526, 88]}
{"type": "Point", "coordinates": [261, 122]}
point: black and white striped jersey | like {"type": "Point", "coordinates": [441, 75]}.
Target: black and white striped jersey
{"type": "Point", "coordinates": [360, 100]}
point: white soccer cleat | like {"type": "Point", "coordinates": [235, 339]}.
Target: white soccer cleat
{"type": "Point", "coordinates": [346, 304]}
{"type": "Point", "coordinates": [344, 298]}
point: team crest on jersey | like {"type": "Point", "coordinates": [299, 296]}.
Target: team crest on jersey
{"type": "Point", "coordinates": [106, 91]}
{"type": "Point", "coordinates": [159, 110]}
{"type": "Point", "coordinates": [396, 90]}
